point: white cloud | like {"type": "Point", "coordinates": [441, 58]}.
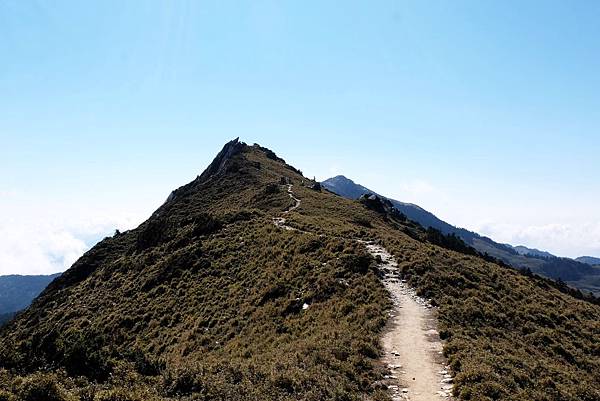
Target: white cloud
{"type": "Point", "coordinates": [37, 237]}
{"type": "Point", "coordinates": [37, 250]}
{"type": "Point", "coordinates": [562, 239]}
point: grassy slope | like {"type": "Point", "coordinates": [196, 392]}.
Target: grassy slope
{"type": "Point", "coordinates": [510, 337]}
{"type": "Point", "coordinates": [204, 301]}
{"type": "Point", "coordinates": [576, 274]}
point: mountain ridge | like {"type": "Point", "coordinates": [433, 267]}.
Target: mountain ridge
{"type": "Point", "coordinates": [577, 274]}
{"type": "Point", "coordinates": [590, 260]}
{"type": "Point", "coordinates": [525, 251]}
{"type": "Point", "coordinates": [209, 299]}
{"type": "Point", "coordinates": [17, 291]}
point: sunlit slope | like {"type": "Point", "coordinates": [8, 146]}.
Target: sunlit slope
{"type": "Point", "coordinates": [209, 299]}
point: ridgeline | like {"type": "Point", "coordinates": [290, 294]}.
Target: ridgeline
{"type": "Point", "coordinates": [210, 300]}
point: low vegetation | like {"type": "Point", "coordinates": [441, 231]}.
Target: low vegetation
{"type": "Point", "coordinates": [509, 336]}
{"type": "Point", "coordinates": [208, 300]}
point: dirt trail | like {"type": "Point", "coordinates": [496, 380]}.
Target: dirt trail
{"type": "Point", "coordinates": [413, 349]}
{"type": "Point", "coordinates": [411, 342]}
{"type": "Point", "coordinates": [291, 194]}
{"type": "Point", "coordinates": [280, 221]}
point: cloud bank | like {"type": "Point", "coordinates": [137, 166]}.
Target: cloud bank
{"type": "Point", "coordinates": [38, 250]}
{"type": "Point", "coordinates": [46, 238]}
{"type": "Point", "coordinates": [49, 247]}
{"type": "Point", "coordinates": [571, 240]}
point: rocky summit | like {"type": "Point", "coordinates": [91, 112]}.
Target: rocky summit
{"type": "Point", "coordinates": [253, 283]}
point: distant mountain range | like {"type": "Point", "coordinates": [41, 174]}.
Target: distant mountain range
{"type": "Point", "coordinates": [17, 292]}
{"type": "Point", "coordinates": [589, 260]}
{"type": "Point", "coordinates": [536, 253]}
{"type": "Point", "coordinates": [578, 273]}
{"type": "Point", "coordinates": [5, 317]}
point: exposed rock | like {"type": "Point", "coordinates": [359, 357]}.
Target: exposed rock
{"type": "Point", "coordinates": [218, 166]}
{"type": "Point", "coordinates": [376, 203]}
{"type": "Point", "coordinates": [381, 205]}
{"type": "Point", "coordinates": [315, 186]}
{"type": "Point", "coordinates": [220, 162]}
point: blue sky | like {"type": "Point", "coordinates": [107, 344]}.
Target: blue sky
{"type": "Point", "coordinates": [485, 113]}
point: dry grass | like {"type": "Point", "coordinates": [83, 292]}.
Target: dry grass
{"type": "Point", "coordinates": [205, 301]}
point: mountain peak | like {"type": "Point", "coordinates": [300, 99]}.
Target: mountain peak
{"type": "Point", "coordinates": [238, 163]}
{"type": "Point", "coordinates": [344, 186]}
{"type": "Point", "coordinates": [341, 178]}
{"type": "Point", "coordinates": [251, 285]}
{"type": "Point", "coordinates": [217, 166]}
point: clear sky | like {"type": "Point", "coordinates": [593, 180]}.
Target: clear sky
{"type": "Point", "coordinates": [486, 113]}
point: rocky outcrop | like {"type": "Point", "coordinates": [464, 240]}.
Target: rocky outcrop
{"type": "Point", "coordinates": [219, 164]}
{"type": "Point", "coordinates": [315, 186]}
{"type": "Point", "coordinates": [381, 205]}
{"type": "Point", "coordinates": [377, 203]}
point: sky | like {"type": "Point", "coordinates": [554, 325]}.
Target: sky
{"type": "Point", "coordinates": [485, 113]}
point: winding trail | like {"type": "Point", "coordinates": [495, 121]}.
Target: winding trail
{"type": "Point", "coordinates": [413, 349]}
{"type": "Point", "coordinates": [280, 221]}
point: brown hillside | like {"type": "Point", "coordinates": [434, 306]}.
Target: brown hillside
{"type": "Point", "coordinates": [209, 300]}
